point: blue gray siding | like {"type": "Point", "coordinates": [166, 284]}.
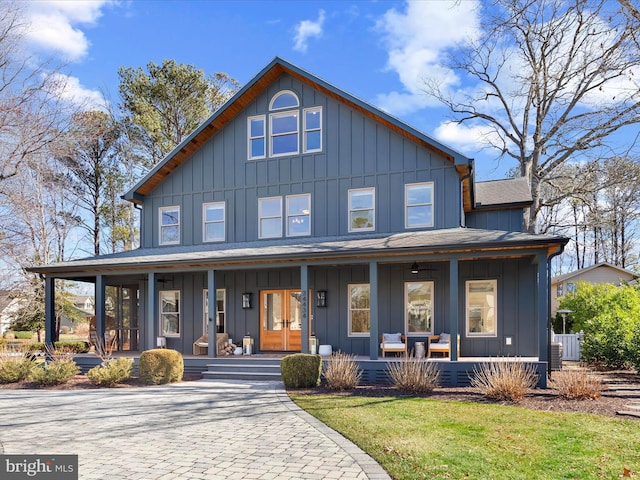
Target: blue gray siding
{"type": "Point", "coordinates": [507, 220]}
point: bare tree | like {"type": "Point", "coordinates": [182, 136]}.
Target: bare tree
{"type": "Point", "coordinates": [555, 80]}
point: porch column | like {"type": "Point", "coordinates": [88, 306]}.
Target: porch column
{"type": "Point", "coordinates": [211, 314]}
{"type": "Point", "coordinates": [50, 333]}
{"type": "Point", "coordinates": [373, 311]}
{"type": "Point", "coordinates": [453, 308]}
{"type": "Point", "coordinates": [543, 308]}
{"type": "Point", "coordinates": [304, 305]}
{"type": "Point", "coordinates": [152, 308]}
{"type": "Point", "coordinates": [100, 309]}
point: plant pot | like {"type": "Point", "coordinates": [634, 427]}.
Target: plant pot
{"type": "Point", "coordinates": [238, 351]}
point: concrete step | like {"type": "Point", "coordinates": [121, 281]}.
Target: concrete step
{"type": "Point", "coordinates": [239, 375]}
{"type": "Point", "coordinates": [248, 368]}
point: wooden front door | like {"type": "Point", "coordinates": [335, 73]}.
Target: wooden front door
{"type": "Point", "coordinates": [280, 320]}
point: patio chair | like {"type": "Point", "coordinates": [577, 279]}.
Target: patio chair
{"type": "Point", "coordinates": [393, 342]}
{"type": "Point", "coordinates": [441, 344]}
{"type": "Point", "coordinates": [201, 345]}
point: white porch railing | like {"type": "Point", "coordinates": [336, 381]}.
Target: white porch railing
{"type": "Point", "coordinates": [570, 345]}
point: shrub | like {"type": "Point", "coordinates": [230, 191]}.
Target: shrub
{"type": "Point", "coordinates": [414, 375]}
{"type": "Point", "coordinates": [607, 341]}
{"type": "Point", "coordinates": [3, 342]}
{"type": "Point", "coordinates": [14, 366]}
{"type": "Point", "coordinates": [341, 371]}
{"type": "Point", "coordinates": [74, 347]}
{"type": "Point", "coordinates": [65, 329]}
{"type": "Point", "coordinates": [160, 366]}
{"type": "Point", "coordinates": [111, 372]}
{"type": "Point", "coordinates": [505, 380]}
{"type": "Point", "coordinates": [34, 347]}
{"type": "Point", "coordinates": [577, 385]}
{"type": "Point", "coordinates": [23, 335]}
{"type": "Point", "coordinates": [301, 370]}
{"type": "Point", "coordinates": [56, 372]}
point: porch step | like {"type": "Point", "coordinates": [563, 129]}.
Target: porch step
{"type": "Point", "coordinates": [245, 368]}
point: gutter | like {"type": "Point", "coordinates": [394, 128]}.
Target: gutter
{"type": "Point", "coordinates": [551, 257]}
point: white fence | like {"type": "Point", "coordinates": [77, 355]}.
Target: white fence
{"type": "Point", "coordinates": [570, 345]}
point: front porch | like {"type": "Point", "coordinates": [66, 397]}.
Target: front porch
{"type": "Point", "coordinates": [237, 367]}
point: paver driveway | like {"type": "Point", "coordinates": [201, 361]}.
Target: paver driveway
{"type": "Point", "coordinates": [193, 430]}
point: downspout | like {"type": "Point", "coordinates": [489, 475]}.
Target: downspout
{"type": "Point", "coordinates": [551, 257]}
{"type": "Point", "coordinates": [463, 222]}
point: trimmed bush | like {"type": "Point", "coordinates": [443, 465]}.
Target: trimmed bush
{"type": "Point", "coordinates": [505, 380]}
{"type": "Point", "coordinates": [14, 369]}
{"type": "Point", "coordinates": [301, 370]}
{"type": "Point", "coordinates": [160, 366]}
{"type": "Point", "coordinates": [23, 335]}
{"type": "Point", "coordinates": [341, 371]}
{"type": "Point", "coordinates": [111, 372]}
{"type": "Point", "coordinates": [577, 385]}
{"type": "Point", "coordinates": [73, 347]}
{"type": "Point", "coordinates": [55, 372]}
{"type": "Point", "coordinates": [414, 375]}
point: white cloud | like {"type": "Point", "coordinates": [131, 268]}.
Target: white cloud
{"type": "Point", "coordinates": [466, 137]}
{"type": "Point", "coordinates": [416, 40]}
{"type": "Point", "coordinates": [71, 91]}
{"type": "Point", "coordinates": [54, 25]}
{"type": "Point", "coordinates": [308, 29]}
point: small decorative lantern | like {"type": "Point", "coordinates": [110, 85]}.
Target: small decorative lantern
{"type": "Point", "coordinates": [247, 344]}
{"type": "Point", "coordinates": [246, 300]}
{"type": "Point", "coordinates": [313, 344]}
{"type": "Point", "coordinates": [321, 298]}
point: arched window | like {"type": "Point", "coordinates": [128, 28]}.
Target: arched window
{"type": "Point", "coordinates": [284, 99]}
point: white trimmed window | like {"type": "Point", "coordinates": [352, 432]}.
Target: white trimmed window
{"type": "Point", "coordinates": [418, 200]}
{"type": "Point", "coordinates": [312, 138]}
{"type": "Point", "coordinates": [284, 133]}
{"type": "Point", "coordinates": [359, 310]}
{"type": "Point", "coordinates": [169, 313]}
{"type": "Point", "coordinates": [481, 308]}
{"type": "Point", "coordinates": [418, 301]}
{"type": "Point", "coordinates": [298, 215]}
{"type": "Point", "coordinates": [362, 210]}
{"type": "Point", "coordinates": [270, 217]}
{"type": "Point", "coordinates": [169, 225]}
{"type": "Point", "coordinates": [213, 215]}
{"type": "Point", "coordinates": [257, 137]}
{"type": "Point", "coordinates": [284, 99]}
{"type": "Point", "coordinates": [220, 310]}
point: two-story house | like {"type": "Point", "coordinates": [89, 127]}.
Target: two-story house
{"type": "Point", "coordinates": [297, 208]}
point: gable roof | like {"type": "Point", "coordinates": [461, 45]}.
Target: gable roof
{"type": "Point", "coordinates": [257, 85]}
{"type": "Point", "coordinates": [575, 273]}
{"type": "Point", "coordinates": [510, 192]}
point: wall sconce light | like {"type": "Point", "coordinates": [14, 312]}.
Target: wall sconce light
{"type": "Point", "coordinates": [415, 269]}
{"type": "Point", "coordinates": [321, 298]}
{"type": "Point", "coordinates": [246, 300]}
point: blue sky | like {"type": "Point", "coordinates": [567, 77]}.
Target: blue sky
{"type": "Point", "coordinates": [380, 51]}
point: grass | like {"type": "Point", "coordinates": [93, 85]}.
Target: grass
{"type": "Point", "coordinates": [418, 438]}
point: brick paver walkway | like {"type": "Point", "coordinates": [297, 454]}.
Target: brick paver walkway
{"type": "Point", "coordinates": [195, 430]}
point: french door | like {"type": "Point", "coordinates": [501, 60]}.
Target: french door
{"type": "Point", "coordinates": [280, 320]}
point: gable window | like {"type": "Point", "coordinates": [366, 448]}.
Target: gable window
{"type": "Point", "coordinates": [418, 308]}
{"type": "Point", "coordinates": [220, 310]}
{"type": "Point", "coordinates": [359, 310]}
{"type": "Point", "coordinates": [257, 136]}
{"type": "Point", "coordinates": [298, 215]}
{"type": "Point", "coordinates": [418, 199]}
{"type": "Point", "coordinates": [284, 133]}
{"type": "Point", "coordinates": [169, 313]}
{"type": "Point", "coordinates": [214, 217]}
{"type": "Point", "coordinates": [361, 210]}
{"type": "Point", "coordinates": [270, 217]}
{"type": "Point", "coordinates": [481, 311]}
{"type": "Point", "coordinates": [559, 289]}
{"type": "Point", "coordinates": [169, 225]}
{"type": "Point", "coordinates": [312, 130]}
{"type": "Point", "coordinates": [284, 99]}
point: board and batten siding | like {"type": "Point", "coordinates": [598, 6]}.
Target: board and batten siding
{"type": "Point", "coordinates": [357, 152]}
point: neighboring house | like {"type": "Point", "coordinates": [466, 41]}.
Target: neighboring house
{"type": "Point", "coordinates": [297, 208]}
{"type": "Point", "coordinates": [599, 273]}
{"type": "Point", "coordinates": [84, 303]}
{"type": "Point", "coordinates": [9, 306]}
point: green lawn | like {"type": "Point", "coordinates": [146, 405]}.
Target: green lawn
{"type": "Point", "coordinates": [415, 438]}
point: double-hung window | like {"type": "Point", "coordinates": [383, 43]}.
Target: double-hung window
{"type": "Point", "coordinates": [169, 313]}
{"type": "Point", "coordinates": [298, 215]}
{"type": "Point", "coordinates": [169, 225]}
{"type": "Point", "coordinates": [270, 217]}
{"type": "Point", "coordinates": [312, 130]}
{"type": "Point", "coordinates": [418, 205]}
{"type": "Point", "coordinates": [359, 310]}
{"type": "Point", "coordinates": [257, 135]}
{"type": "Point", "coordinates": [214, 219]}
{"type": "Point", "coordinates": [362, 209]}
{"type": "Point", "coordinates": [418, 308]}
{"type": "Point", "coordinates": [284, 133]}
{"type": "Point", "coordinates": [481, 308]}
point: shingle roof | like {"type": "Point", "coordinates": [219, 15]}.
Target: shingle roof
{"type": "Point", "coordinates": [500, 193]}
{"type": "Point", "coordinates": [297, 250]}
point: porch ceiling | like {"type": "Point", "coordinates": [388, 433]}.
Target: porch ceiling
{"type": "Point", "coordinates": [463, 243]}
